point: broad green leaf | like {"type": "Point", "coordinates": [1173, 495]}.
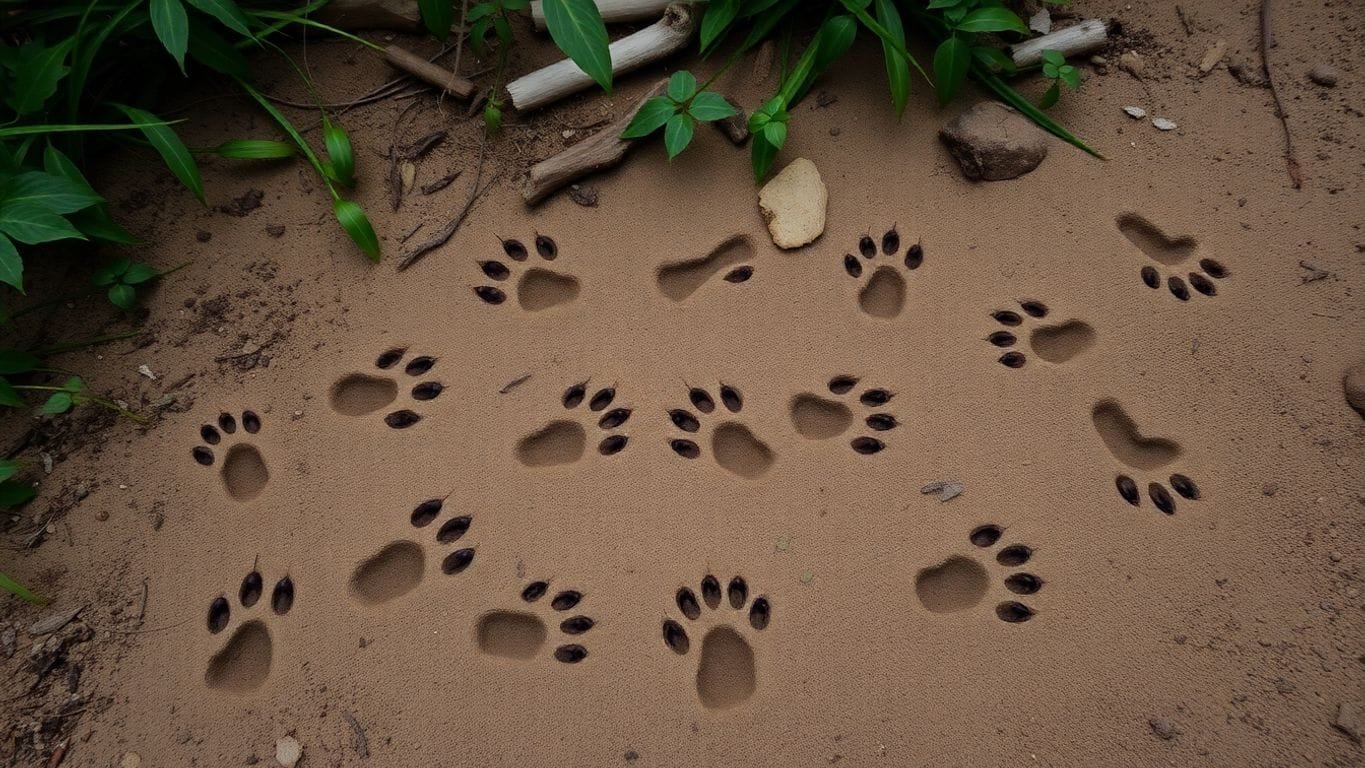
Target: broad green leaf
{"type": "Point", "coordinates": [437, 15]}
{"type": "Point", "coordinates": [49, 192]}
{"type": "Point", "coordinates": [678, 134]}
{"type": "Point", "coordinates": [897, 68]}
{"type": "Point", "coordinates": [170, 147]}
{"type": "Point", "coordinates": [577, 28]}
{"type": "Point", "coordinates": [339, 151]}
{"type": "Point", "coordinates": [761, 156]}
{"type": "Point", "coordinates": [1050, 71]}
{"type": "Point", "coordinates": [122, 296]}
{"type": "Point", "coordinates": [9, 397]}
{"type": "Point", "coordinates": [480, 11]}
{"type": "Point", "coordinates": [939, 4]}
{"type": "Point", "coordinates": [755, 7]}
{"type": "Point", "coordinates": [775, 133]}
{"type": "Point", "coordinates": [855, 7]}
{"type": "Point", "coordinates": [763, 26]}
{"type": "Point", "coordinates": [992, 19]}
{"type": "Point", "coordinates": [503, 29]}
{"type": "Point", "coordinates": [651, 117]}
{"type": "Point", "coordinates": [140, 273]}
{"type": "Point", "coordinates": [835, 34]}
{"type": "Point", "coordinates": [172, 27]}
{"type": "Point", "coordinates": [11, 266]}
{"type": "Point", "coordinates": [94, 222]}
{"type": "Point", "coordinates": [59, 402]}
{"type": "Point", "coordinates": [214, 51]}
{"type": "Point", "coordinates": [56, 163]}
{"type": "Point", "coordinates": [478, 35]}
{"type": "Point", "coordinates": [13, 361]}
{"type": "Point", "coordinates": [112, 272]}
{"type": "Point", "coordinates": [1071, 76]}
{"type": "Point", "coordinates": [255, 149]}
{"type": "Point", "coordinates": [9, 498]}
{"type": "Point", "coordinates": [352, 218]}
{"type": "Point", "coordinates": [715, 21]}
{"type": "Point", "coordinates": [1053, 57]}
{"type": "Point", "coordinates": [225, 11]}
{"type": "Point", "coordinates": [31, 224]}
{"type": "Point", "coordinates": [951, 61]}
{"type": "Point", "coordinates": [681, 86]}
{"type": "Point", "coordinates": [1050, 96]}
{"type": "Point", "coordinates": [74, 385]}
{"type": "Point", "coordinates": [9, 467]}
{"type": "Point", "coordinates": [709, 106]}
{"type": "Point", "coordinates": [37, 71]}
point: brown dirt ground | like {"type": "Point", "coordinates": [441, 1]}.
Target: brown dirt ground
{"type": "Point", "coordinates": [1226, 634]}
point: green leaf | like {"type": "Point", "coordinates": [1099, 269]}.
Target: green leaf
{"type": "Point", "coordinates": [31, 224]}
{"type": "Point", "coordinates": [172, 27]}
{"type": "Point", "coordinates": [59, 402]}
{"type": "Point", "coordinates": [578, 30]}
{"type": "Point", "coordinates": [1054, 57]}
{"type": "Point", "coordinates": [11, 265]}
{"type": "Point", "coordinates": [951, 62]}
{"type": "Point", "coordinates": [651, 117]}
{"type": "Point", "coordinates": [437, 15]}
{"type": "Point", "coordinates": [715, 21]}
{"type": "Point", "coordinates": [255, 149]}
{"type": "Point", "coordinates": [213, 51]}
{"type": "Point", "coordinates": [478, 35]}
{"type": "Point", "coordinates": [992, 19]}
{"type": "Point", "coordinates": [1050, 71]}
{"type": "Point", "coordinates": [938, 4]}
{"type": "Point", "coordinates": [709, 106]}
{"type": "Point", "coordinates": [13, 361]}
{"type": "Point", "coordinates": [775, 133]}
{"type": "Point", "coordinates": [112, 272]}
{"type": "Point", "coordinates": [1071, 76]}
{"type": "Point", "coordinates": [49, 192]}
{"type": "Point", "coordinates": [994, 58]}
{"type": "Point", "coordinates": [855, 7]}
{"type": "Point", "coordinates": [140, 273]}
{"type": "Point", "coordinates": [37, 71]}
{"type": "Point", "coordinates": [1017, 100]}
{"type": "Point", "coordinates": [339, 151]}
{"type": "Point", "coordinates": [1050, 96]}
{"type": "Point", "coordinates": [492, 117]}
{"type": "Point", "coordinates": [58, 164]}
{"type": "Point", "coordinates": [9, 467]}
{"type": "Point", "coordinates": [227, 12]}
{"type": "Point", "coordinates": [678, 134]}
{"type": "Point", "coordinates": [503, 28]}
{"type": "Point", "coordinates": [9, 397]}
{"type": "Point", "coordinates": [830, 41]}
{"type": "Point", "coordinates": [8, 498]}
{"type": "Point", "coordinates": [761, 156]}
{"type": "Point", "coordinates": [170, 147]}
{"type": "Point", "coordinates": [897, 68]}
{"type": "Point", "coordinates": [74, 385]}
{"type": "Point", "coordinates": [122, 296]}
{"type": "Point", "coordinates": [681, 86]}
{"type": "Point", "coordinates": [352, 218]}
{"type": "Point", "coordinates": [94, 222]}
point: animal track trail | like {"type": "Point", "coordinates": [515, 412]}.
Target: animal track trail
{"type": "Point", "coordinates": [1055, 343]}
{"type": "Point", "coordinates": [1137, 451]}
{"type": "Point", "coordinates": [400, 566]}
{"type": "Point", "coordinates": [537, 288]}
{"type": "Point", "coordinates": [961, 582]}
{"type": "Point", "coordinates": [563, 441]}
{"type": "Point", "coordinates": [817, 417]}
{"type": "Point", "coordinates": [243, 470]}
{"type": "Point", "coordinates": [727, 674]}
{"type": "Point", "coordinates": [360, 394]}
{"type": "Point", "coordinates": [733, 446]}
{"type": "Point", "coordinates": [680, 279]}
{"type": "Point", "coordinates": [520, 634]}
{"type": "Point", "coordinates": [1170, 252]}
{"type": "Point", "coordinates": [244, 661]}
{"type": "Point", "coordinates": [883, 293]}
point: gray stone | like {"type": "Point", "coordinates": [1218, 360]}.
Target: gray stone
{"type": "Point", "coordinates": [1325, 75]}
{"type": "Point", "coordinates": [993, 142]}
{"type": "Point", "coordinates": [1353, 384]}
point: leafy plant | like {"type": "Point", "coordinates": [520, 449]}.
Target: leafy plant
{"type": "Point", "coordinates": [1060, 73]}
{"type": "Point", "coordinates": [494, 15]}
{"type": "Point", "coordinates": [121, 278]}
{"type": "Point", "coordinates": [678, 111]}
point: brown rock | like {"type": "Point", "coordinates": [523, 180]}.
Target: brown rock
{"type": "Point", "coordinates": [1353, 383]}
{"type": "Point", "coordinates": [1325, 75]}
{"type": "Point", "coordinates": [993, 142]}
{"type": "Point", "coordinates": [1351, 720]}
{"type": "Point", "coordinates": [1163, 728]}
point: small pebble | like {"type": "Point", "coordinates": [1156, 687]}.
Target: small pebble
{"type": "Point", "coordinates": [1164, 124]}
{"type": "Point", "coordinates": [1137, 113]}
{"type": "Point", "coordinates": [1325, 75]}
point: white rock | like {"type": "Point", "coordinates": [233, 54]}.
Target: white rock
{"type": "Point", "coordinates": [1164, 124]}
{"type": "Point", "coordinates": [1137, 113]}
{"type": "Point", "coordinates": [288, 751]}
{"type": "Point", "coordinates": [1041, 22]}
{"type": "Point", "coordinates": [145, 371]}
{"type": "Point", "coordinates": [131, 760]}
{"type": "Point", "coordinates": [793, 204]}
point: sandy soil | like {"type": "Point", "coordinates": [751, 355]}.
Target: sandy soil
{"type": "Point", "coordinates": [533, 572]}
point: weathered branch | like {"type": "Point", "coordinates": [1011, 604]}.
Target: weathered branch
{"type": "Point", "coordinates": [420, 68]}
{"type": "Point", "coordinates": [612, 11]}
{"type": "Point", "coordinates": [1071, 41]}
{"type": "Point", "coordinates": [669, 35]}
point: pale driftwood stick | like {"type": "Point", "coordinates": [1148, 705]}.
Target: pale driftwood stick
{"type": "Point", "coordinates": [424, 70]}
{"type": "Point", "coordinates": [563, 78]}
{"type": "Point", "coordinates": [1075, 39]}
{"type": "Point", "coordinates": [597, 152]}
{"type": "Point", "coordinates": [613, 11]}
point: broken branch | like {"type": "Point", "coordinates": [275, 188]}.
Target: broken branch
{"type": "Point", "coordinates": [420, 68]}
{"type": "Point", "coordinates": [1071, 41]}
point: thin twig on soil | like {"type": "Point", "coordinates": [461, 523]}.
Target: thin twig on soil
{"type": "Point", "coordinates": [446, 232]}
{"type": "Point", "coordinates": [1267, 40]}
{"type": "Point", "coordinates": [361, 742]}
{"type": "Point", "coordinates": [513, 384]}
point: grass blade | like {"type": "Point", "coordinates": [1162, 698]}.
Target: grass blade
{"type": "Point", "coordinates": [15, 588]}
{"type": "Point", "coordinates": [169, 146]}
{"type": "Point", "coordinates": [1015, 99]}
{"type": "Point", "coordinates": [353, 220]}
{"type": "Point", "coordinates": [897, 68]}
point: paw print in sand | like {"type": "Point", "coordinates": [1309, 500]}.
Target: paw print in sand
{"type": "Point", "coordinates": [817, 417]}
{"type": "Point", "coordinates": [243, 663]}
{"type": "Point", "coordinates": [1142, 453]}
{"type": "Point", "coordinates": [1170, 252]}
{"type": "Point", "coordinates": [733, 446]}
{"type": "Point", "coordinates": [562, 440]}
{"type": "Point", "coordinates": [360, 394]}
{"type": "Point", "coordinates": [1055, 343]}
{"type": "Point", "coordinates": [883, 294]}
{"type": "Point", "coordinates": [400, 566]}
{"type": "Point", "coordinates": [538, 288]}
{"type": "Point", "coordinates": [243, 470]}
{"type": "Point", "coordinates": [520, 634]}
{"type": "Point", "coordinates": [960, 582]}
{"type": "Point", "coordinates": [726, 673]}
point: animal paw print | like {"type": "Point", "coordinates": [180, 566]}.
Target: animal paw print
{"type": "Point", "coordinates": [734, 447]}
{"type": "Point", "coordinates": [1053, 343]}
{"type": "Point", "coordinates": [961, 582]}
{"type": "Point", "coordinates": [400, 566]}
{"type": "Point", "coordinates": [538, 288]}
{"type": "Point", "coordinates": [726, 673]}
{"type": "Point", "coordinates": [243, 471]}
{"type": "Point", "coordinates": [520, 634]}
{"type": "Point", "coordinates": [1121, 436]}
{"type": "Point", "coordinates": [1170, 252]}
{"type": "Point", "coordinates": [243, 663]}
{"type": "Point", "coordinates": [681, 279]}
{"type": "Point", "coordinates": [562, 441]}
{"type": "Point", "coordinates": [883, 295]}
{"type": "Point", "coordinates": [360, 394]}
{"type": "Point", "coordinates": [819, 418]}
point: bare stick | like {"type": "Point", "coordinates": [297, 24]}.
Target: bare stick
{"type": "Point", "coordinates": [448, 231]}
{"type": "Point", "coordinates": [669, 35]}
{"type": "Point", "coordinates": [451, 83]}
{"type": "Point", "coordinates": [1291, 160]}
{"type": "Point", "coordinates": [612, 11]}
{"type": "Point", "coordinates": [1071, 41]}
{"type": "Point", "coordinates": [597, 152]}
